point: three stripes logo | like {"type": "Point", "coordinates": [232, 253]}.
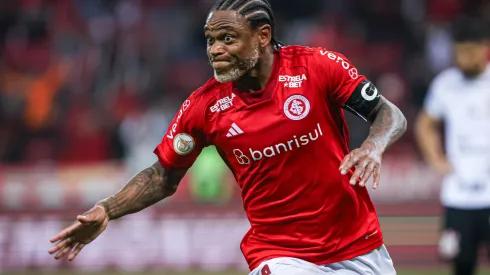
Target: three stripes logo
{"type": "Point", "coordinates": [234, 130]}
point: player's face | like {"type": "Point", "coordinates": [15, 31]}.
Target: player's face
{"type": "Point", "coordinates": [471, 57]}
{"type": "Point", "coordinates": [232, 45]}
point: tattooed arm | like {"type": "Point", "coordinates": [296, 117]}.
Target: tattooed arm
{"type": "Point", "coordinates": [388, 124]}
{"type": "Point", "coordinates": [146, 188]}
{"type": "Point", "coordinates": [177, 149]}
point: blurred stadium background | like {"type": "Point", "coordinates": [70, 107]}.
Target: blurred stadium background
{"type": "Point", "coordinates": [88, 88]}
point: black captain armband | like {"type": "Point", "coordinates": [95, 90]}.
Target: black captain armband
{"type": "Point", "coordinates": [363, 100]}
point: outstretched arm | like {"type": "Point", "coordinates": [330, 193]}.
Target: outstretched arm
{"type": "Point", "coordinates": [146, 188]}
{"type": "Point", "coordinates": [180, 147]}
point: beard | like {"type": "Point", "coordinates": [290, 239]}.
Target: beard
{"type": "Point", "coordinates": [472, 73]}
{"type": "Point", "coordinates": [238, 68]}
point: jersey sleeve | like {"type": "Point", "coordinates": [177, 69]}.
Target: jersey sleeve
{"type": "Point", "coordinates": [184, 139]}
{"type": "Point", "coordinates": [338, 75]}
{"type": "Point", "coordinates": [433, 103]}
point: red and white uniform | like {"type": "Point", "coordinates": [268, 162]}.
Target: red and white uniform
{"type": "Point", "coordinates": [284, 145]}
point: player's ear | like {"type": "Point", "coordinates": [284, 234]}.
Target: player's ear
{"type": "Point", "coordinates": [265, 35]}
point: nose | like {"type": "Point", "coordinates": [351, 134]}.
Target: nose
{"type": "Point", "coordinates": [216, 50]}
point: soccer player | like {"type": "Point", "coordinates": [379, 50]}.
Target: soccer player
{"type": "Point", "coordinates": [460, 96]}
{"type": "Point", "coordinates": [275, 115]}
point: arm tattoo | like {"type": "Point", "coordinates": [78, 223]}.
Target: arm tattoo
{"type": "Point", "coordinates": [388, 125]}
{"type": "Point", "coordinates": [146, 188]}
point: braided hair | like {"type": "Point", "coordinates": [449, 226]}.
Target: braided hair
{"type": "Point", "coordinates": [257, 12]}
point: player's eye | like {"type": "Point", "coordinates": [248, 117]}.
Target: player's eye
{"type": "Point", "coordinates": [228, 38]}
{"type": "Point", "coordinates": [209, 40]}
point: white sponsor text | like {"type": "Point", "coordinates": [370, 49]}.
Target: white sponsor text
{"type": "Point", "coordinates": [292, 81]}
{"type": "Point", "coordinates": [172, 131]}
{"type": "Point", "coordinates": [351, 69]}
{"type": "Point", "coordinates": [277, 149]}
{"type": "Point", "coordinates": [223, 104]}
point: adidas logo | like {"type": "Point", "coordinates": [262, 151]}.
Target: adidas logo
{"type": "Point", "coordinates": [234, 130]}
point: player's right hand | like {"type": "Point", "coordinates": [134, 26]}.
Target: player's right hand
{"type": "Point", "coordinates": [75, 237]}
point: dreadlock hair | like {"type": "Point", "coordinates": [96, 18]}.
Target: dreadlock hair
{"type": "Point", "coordinates": [257, 12]}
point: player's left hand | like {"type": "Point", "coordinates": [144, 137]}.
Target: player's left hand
{"type": "Point", "coordinates": [367, 161]}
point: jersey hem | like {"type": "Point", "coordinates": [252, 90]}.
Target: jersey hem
{"type": "Point", "coordinates": [339, 258]}
{"type": "Point", "coordinates": [351, 255]}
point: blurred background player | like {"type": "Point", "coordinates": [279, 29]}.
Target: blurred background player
{"type": "Point", "coordinates": [459, 97]}
{"type": "Point", "coordinates": [270, 110]}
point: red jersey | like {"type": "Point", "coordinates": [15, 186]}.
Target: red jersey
{"type": "Point", "coordinates": [284, 145]}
